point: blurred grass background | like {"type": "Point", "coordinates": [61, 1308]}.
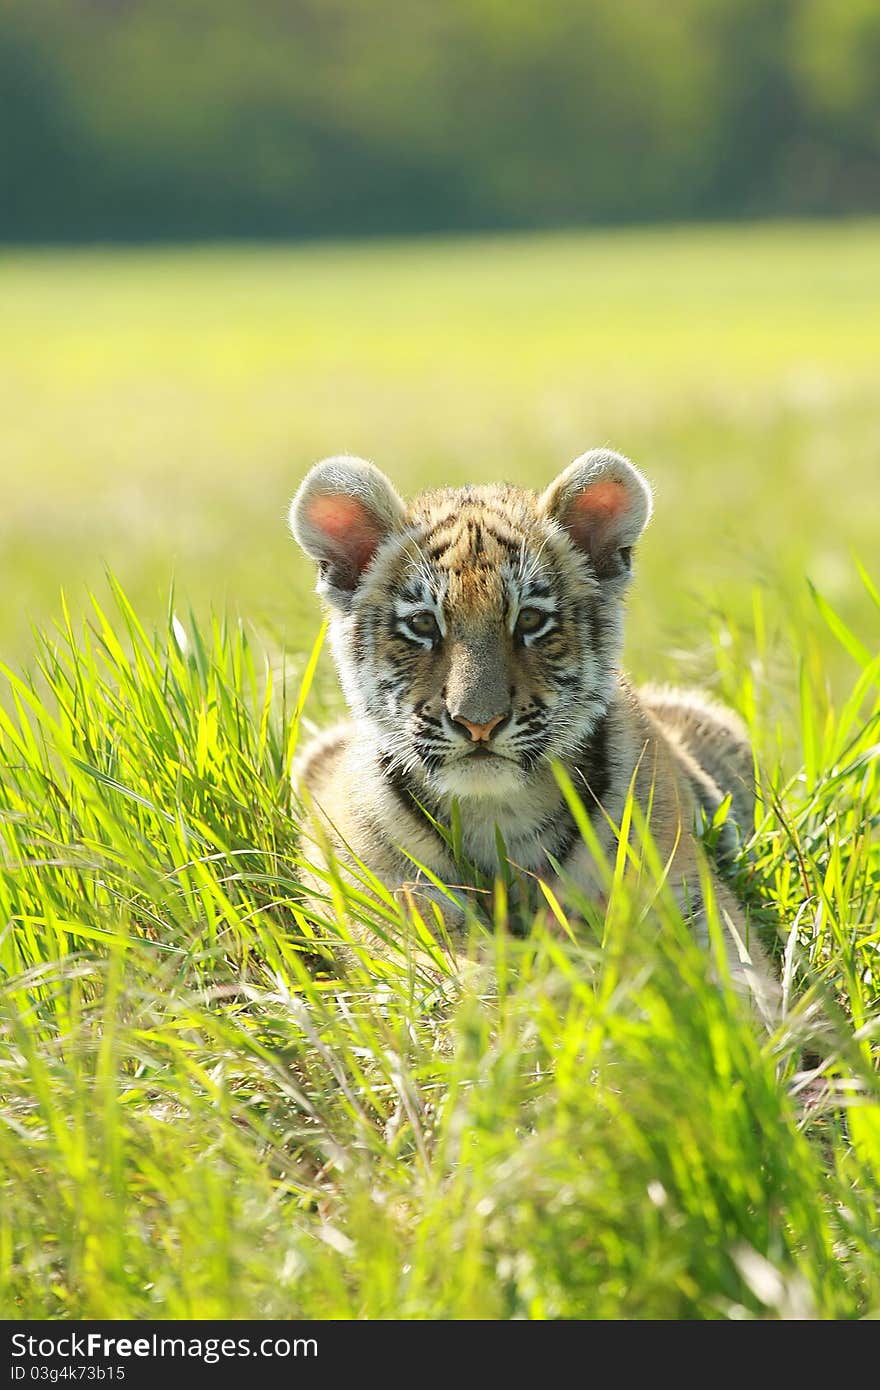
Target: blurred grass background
{"type": "Point", "coordinates": [159, 407]}
{"type": "Point", "coordinates": [236, 237]}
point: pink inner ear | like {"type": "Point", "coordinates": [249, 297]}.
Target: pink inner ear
{"type": "Point", "coordinates": [592, 514]}
{"type": "Point", "coordinates": [348, 524]}
{"type": "Point", "coordinates": [594, 511]}
{"type": "Point", "coordinates": [602, 502]}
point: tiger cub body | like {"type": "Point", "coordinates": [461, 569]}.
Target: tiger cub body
{"type": "Point", "coordinates": [478, 635]}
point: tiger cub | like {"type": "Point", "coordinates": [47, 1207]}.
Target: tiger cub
{"type": "Point", "coordinates": [478, 634]}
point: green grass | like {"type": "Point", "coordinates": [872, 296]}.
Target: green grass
{"type": "Point", "coordinates": [160, 407]}
{"type": "Point", "coordinates": [201, 1114]}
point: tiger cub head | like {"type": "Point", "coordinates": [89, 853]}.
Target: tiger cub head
{"type": "Point", "coordinates": [477, 631]}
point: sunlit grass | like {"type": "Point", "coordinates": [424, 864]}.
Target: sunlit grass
{"type": "Point", "coordinates": [160, 407]}
{"type": "Point", "coordinates": [222, 1096]}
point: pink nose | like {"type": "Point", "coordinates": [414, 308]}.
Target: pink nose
{"type": "Point", "coordinates": [481, 733]}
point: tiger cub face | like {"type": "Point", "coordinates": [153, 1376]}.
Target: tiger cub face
{"type": "Point", "coordinates": [476, 630]}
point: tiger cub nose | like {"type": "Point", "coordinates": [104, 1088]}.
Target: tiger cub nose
{"type": "Point", "coordinates": [481, 733]}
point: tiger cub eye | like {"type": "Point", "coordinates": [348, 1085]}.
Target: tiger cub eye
{"type": "Point", "coordinates": [423, 623]}
{"type": "Point", "coordinates": [529, 620]}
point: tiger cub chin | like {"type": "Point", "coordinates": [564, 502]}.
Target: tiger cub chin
{"type": "Point", "coordinates": [477, 632]}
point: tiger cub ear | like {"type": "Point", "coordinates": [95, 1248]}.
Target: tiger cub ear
{"type": "Point", "coordinates": [604, 503]}
{"type": "Point", "coordinates": [344, 509]}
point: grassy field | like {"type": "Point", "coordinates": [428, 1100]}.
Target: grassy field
{"type": "Point", "coordinates": [159, 408]}
{"type": "Point", "coordinates": [199, 1116]}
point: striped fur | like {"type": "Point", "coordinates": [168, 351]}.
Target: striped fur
{"type": "Point", "coordinates": [478, 634]}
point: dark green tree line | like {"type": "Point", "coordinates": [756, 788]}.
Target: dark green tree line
{"type": "Point", "coordinates": [132, 119]}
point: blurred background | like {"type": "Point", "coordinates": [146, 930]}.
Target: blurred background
{"type": "Point", "coordinates": [169, 119]}
{"type": "Point", "coordinates": [468, 240]}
